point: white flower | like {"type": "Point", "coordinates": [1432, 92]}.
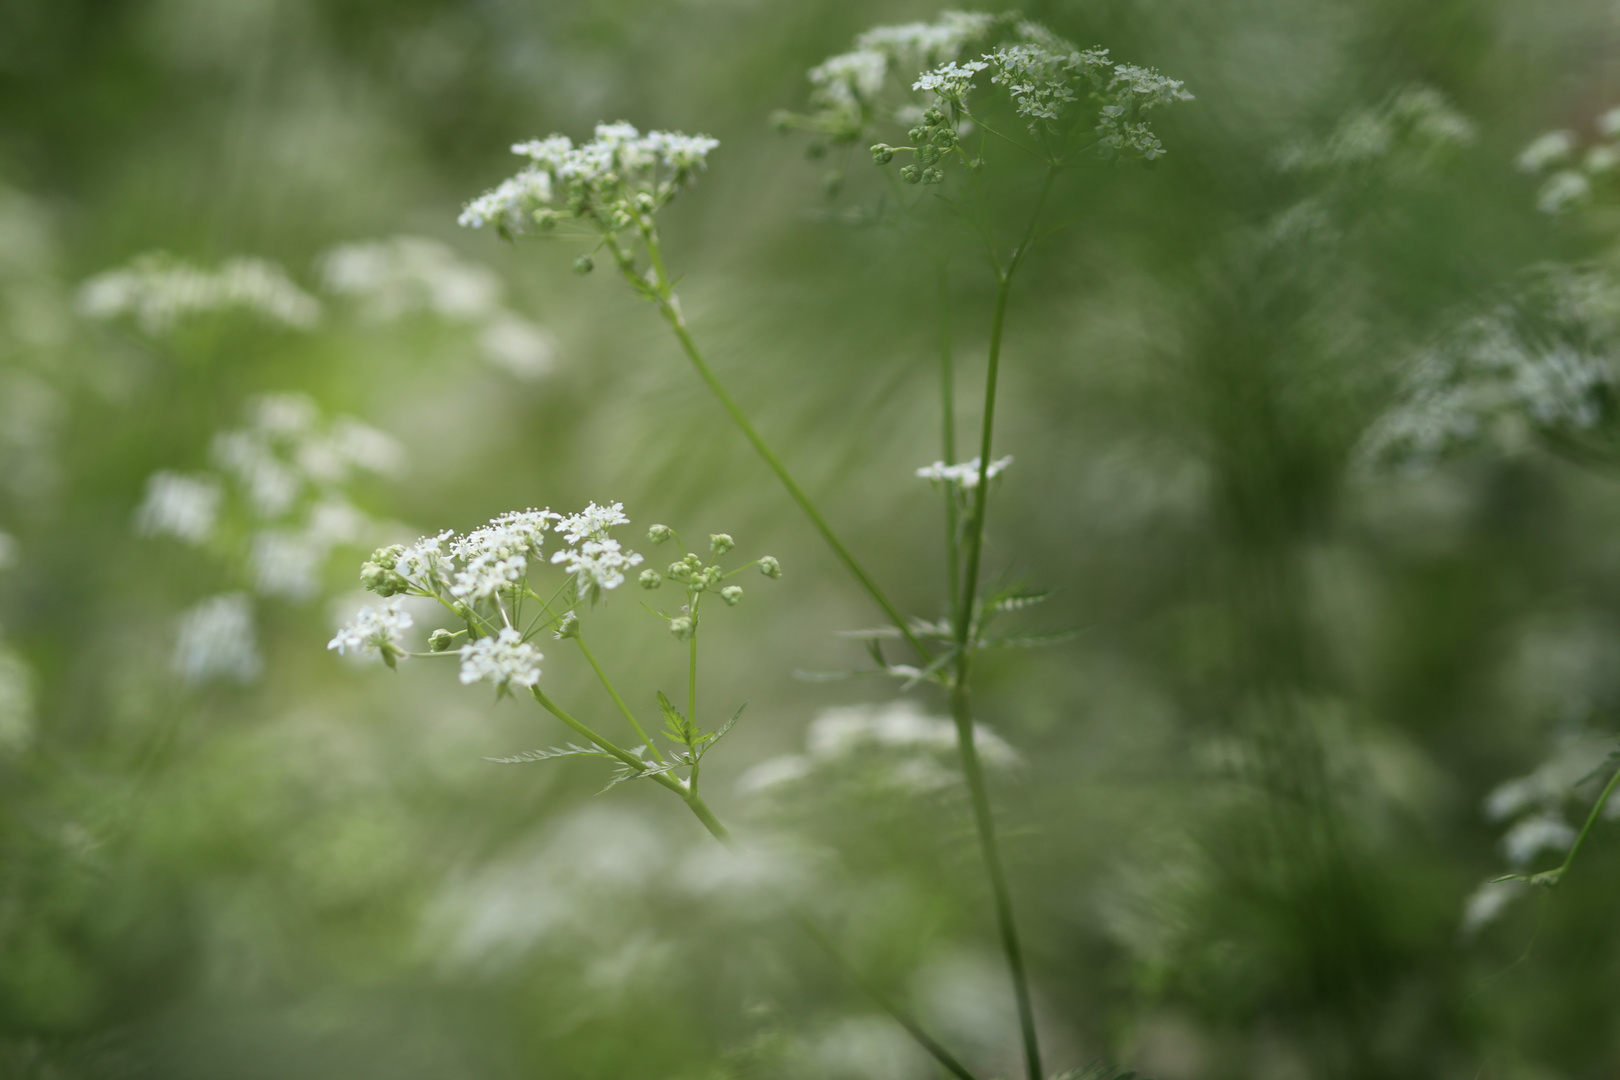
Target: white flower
{"type": "Point", "coordinates": [950, 82]}
{"type": "Point", "coordinates": [503, 660]}
{"type": "Point", "coordinates": [184, 507]}
{"type": "Point", "coordinates": [272, 485]}
{"type": "Point", "coordinates": [487, 574]}
{"type": "Point", "coordinates": [517, 532]}
{"type": "Point", "coordinates": [404, 274]}
{"type": "Point", "coordinates": [1562, 190]}
{"type": "Point", "coordinates": [286, 563]}
{"type": "Point", "coordinates": [591, 523]}
{"type": "Point", "coordinates": [850, 78]}
{"type": "Point", "coordinates": [966, 475]}
{"type": "Point", "coordinates": [217, 640]}
{"type": "Point", "coordinates": [1533, 835]}
{"type": "Point", "coordinates": [1487, 902]}
{"type": "Point", "coordinates": [1548, 149]}
{"type": "Point", "coordinates": [918, 45]}
{"type": "Point", "coordinates": [511, 204]}
{"type": "Point", "coordinates": [424, 563]}
{"type": "Point", "coordinates": [158, 291]}
{"type": "Point", "coordinates": [374, 630]}
{"type": "Point", "coordinates": [517, 346]}
{"type": "Point", "coordinates": [600, 564]}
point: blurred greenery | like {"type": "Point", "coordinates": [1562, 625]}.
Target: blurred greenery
{"type": "Point", "coordinates": [1247, 816]}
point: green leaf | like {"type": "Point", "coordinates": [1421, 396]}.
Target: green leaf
{"type": "Point", "coordinates": [1017, 598]}
{"type": "Point", "coordinates": [571, 750]}
{"type": "Point", "coordinates": [707, 742]}
{"type": "Point", "coordinates": [676, 726]}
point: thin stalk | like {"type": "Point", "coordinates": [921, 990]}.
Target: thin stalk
{"type": "Point", "coordinates": [671, 312]}
{"type": "Point", "coordinates": [617, 700]}
{"type": "Point", "coordinates": [947, 394]}
{"type": "Point", "coordinates": [1557, 876]}
{"type": "Point", "coordinates": [961, 706]}
{"type": "Point", "coordinates": [691, 695]}
{"type": "Point", "coordinates": [604, 743]}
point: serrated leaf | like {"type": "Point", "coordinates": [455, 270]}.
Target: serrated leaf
{"type": "Point", "coordinates": [571, 750]}
{"type": "Point", "coordinates": [625, 773]}
{"type": "Point", "coordinates": [675, 725]}
{"type": "Point", "coordinates": [708, 741]}
{"type": "Point", "coordinates": [1017, 598]}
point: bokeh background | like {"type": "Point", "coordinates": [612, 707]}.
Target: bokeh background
{"type": "Point", "coordinates": [1249, 808]}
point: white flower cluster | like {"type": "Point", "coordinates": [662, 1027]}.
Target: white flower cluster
{"type": "Point", "coordinates": [611, 182]}
{"type": "Point", "coordinates": [158, 291]}
{"type": "Point", "coordinates": [904, 743]}
{"type": "Point", "coordinates": [1416, 123]}
{"type": "Point", "coordinates": [847, 86]}
{"type": "Point", "coordinates": [217, 641]}
{"type": "Point", "coordinates": [964, 476]}
{"type": "Point", "coordinates": [275, 509]}
{"type": "Point", "coordinates": [374, 630]}
{"type": "Point", "coordinates": [505, 660]}
{"type": "Point", "coordinates": [1569, 181]}
{"type": "Point", "coordinates": [1536, 363]}
{"type": "Point", "coordinates": [597, 559]}
{"type": "Point", "coordinates": [395, 278]}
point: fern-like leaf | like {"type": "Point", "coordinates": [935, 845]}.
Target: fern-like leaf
{"type": "Point", "coordinates": [571, 750]}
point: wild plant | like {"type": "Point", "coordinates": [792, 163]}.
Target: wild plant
{"type": "Point", "coordinates": [966, 100]}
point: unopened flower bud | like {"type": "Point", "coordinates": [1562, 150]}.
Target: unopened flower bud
{"type": "Point", "coordinates": [917, 134]}
{"type": "Point", "coordinates": [650, 579]}
{"type": "Point", "coordinates": [440, 640]}
{"type": "Point", "coordinates": [681, 627]}
{"type": "Point", "coordinates": [568, 627]}
{"type": "Point", "coordinates": [933, 117]}
{"type": "Point", "coordinates": [645, 202]}
{"type": "Point", "coordinates": [770, 567]}
{"type": "Point", "coordinates": [928, 153]}
{"type": "Point", "coordinates": [945, 137]}
{"type": "Point", "coordinates": [911, 174]}
{"type": "Point", "coordinates": [882, 154]}
{"type": "Point", "coordinates": [584, 264]}
{"type": "Point", "coordinates": [678, 570]}
{"type": "Point", "coordinates": [720, 543]}
{"type": "Point", "coordinates": [692, 561]}
{"type": "Point", "coordinates": [388, 557]}
{"type": "Point", "coordinates": [546, 220]}
{"type": "Point", "coordinates": [381, 580]}
{"type": "Point", "coordinates": [731, 594]}
{"type": "Point", "coordinates": [659, 533]}
{"type": "Point", "coordinates": [932, 176]}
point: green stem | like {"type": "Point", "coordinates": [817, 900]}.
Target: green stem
{"type": "Point", "coordinates": [617, 700]}
{"type": "Point", "coordinates": [606, 745]}
{"type": "Point", "coordinates": [961, 707]}
{"type": "Point", "coordinates": [947, 393]}
{"type": "Point", "coordinates": [1591, 819]}
{"type": "Point", "coordinates": [671, 311]}
{"type": "Point", "coordinates": [691, 694]}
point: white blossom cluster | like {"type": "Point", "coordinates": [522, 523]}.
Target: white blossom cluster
{"type": "Point", "coordinates": [483, 575]}
{"type": "Point", "coordinates": [1535, 364]}
{"type": "Point", "coordinates": [158, 291]}
{"type": "Point", "coordinates": [374, 631]}
{"type": "Point", "coordinates": [273, 509]}
{"type": "Point", "coordinates": [1414, 123]}
{"type": "Point", "coordinates": [1570, 176]}
{"type": "Point", "coordinates": [617, 179]}
{"type": "Point", "coordinates": [909, 749]}
{"type": "Point", "coordinates": [392, 279]}
{"type": "Point", "coordinates": [964, 476]}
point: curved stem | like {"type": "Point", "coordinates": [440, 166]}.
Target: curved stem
{"type": "Point", "coordinates": [617, 700]}
{"type": "Point", "coordinates": [670, 309]}
{"type": "Point", "coordinates": [605, 744]}
{"type": "Point", "coordinates": [961, 707]}
{"type": "Point", "coordinates": [1557, 876]}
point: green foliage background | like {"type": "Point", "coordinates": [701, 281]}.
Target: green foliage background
{"type": "Point", "coordinates": [1249, 814]}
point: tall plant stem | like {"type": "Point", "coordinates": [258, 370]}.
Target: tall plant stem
{"type": "Point", "coordinates": [1555, 877]}
{"type": "Point", "coordinates": [617, 700]}
{"type": "Point", "coordinates": [669, 307]}
{"type": "Point", "coordinates": [961, 705]}
{"type": "Point", "coordinates": [947, 394]}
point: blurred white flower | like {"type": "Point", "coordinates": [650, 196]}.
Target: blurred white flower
{"type": "Point", "coordinates": [1533, 835]}
{"type": "Point", "coordinates": [158, 291]}
{"type": "Point", "coordinates": [966, 475]}
{"type": "Point", "coordinates": [374, 630]}
{"type": "Point", "coordinates": [217, 641]}
{"type": "Point", "coordinates": [184, 507]}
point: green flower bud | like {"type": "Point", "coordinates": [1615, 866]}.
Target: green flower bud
{"type": "Point", "coordinates": [692, 561]}
{"type": "Point", "coordinates": [678, 570]}
{"type": "Point", "coordinates": [681, 627]}
{"type": "Point", "coordinates": [659, 533]}
{"type": "Point", "coordinates": [650, 579]}
{"type": "Point", "coordinates": [440, 640]}
{"type": "Point", "coordinates": [933, 176]}
{"type": "Point", "coordinates": [381, 580]}
{"type": "Point", "coordinates": [388, 557]}
{"type": "Point", "coordinates": [711, 577]}
{"type": "Point", "coordinates": [645, 202]}
{"type": "Point", "coordinates": [928, 153]}
{"type": "Point", "coordinates": [933, 117]}
{"type": "Point", "coordinates": [945, 137]}
{"type": "Point", "coordinates": [911, 174]}
{"type": "Point", "coordinates": [720, 543]}
{"type": "Point", "coordinates": [584, 264]}
{"type": "Point", "coordinates": [882, 154]}
{"type": "Point", "coordinates": [917, 134]}
{"type": "Point", "coordinates": [568, 627]}
{"type": "Point", "coordinates": [546, 220]}
{"type": "Point", "coordinates": [770, 567]}
{"type": "Point", "coordinates": [731, 594]}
